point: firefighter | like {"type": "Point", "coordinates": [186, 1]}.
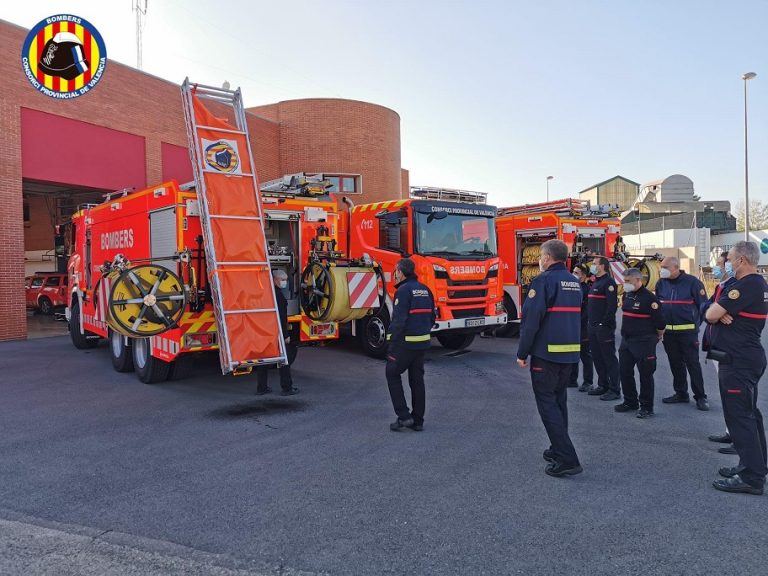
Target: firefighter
{"type": "Point", "coordinates": [413, 316]}
{"type": "Point", "coordinates": [601, 309]}
{"type": "Point", "coordinates": [280, 280]}
{"type": "Point", "coordinates": [581, 273]}
{"type": "Point", "coordinates": [642, 326]}
{"type": "Point", "coordinates": [550, 333]}
{"type": "Point", "coordinates": [739, 318]}
{"type": "Point", "coordinates": [722, 271]}
{"type": "Point", "coordinates": [681, 296]}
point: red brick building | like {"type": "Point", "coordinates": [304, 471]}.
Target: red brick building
{"type": "Point", "coordinates": [129, 132]}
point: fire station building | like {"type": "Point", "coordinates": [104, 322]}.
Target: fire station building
{"type": "Point", "coordinates": [129, 133]}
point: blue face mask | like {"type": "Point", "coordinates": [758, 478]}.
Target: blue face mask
{"type": "Point", "coordinates": [729, 268]}
{"type": "Point", "coordinates": [716, 272]}
{"type": "Point", "coordinates": [593, 269]}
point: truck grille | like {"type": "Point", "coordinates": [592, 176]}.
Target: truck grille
{"type": "Point", "coordinates": [466, 294]}
{"type": "Point", "coordinates": [468, 313]}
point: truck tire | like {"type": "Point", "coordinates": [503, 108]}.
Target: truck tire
{"type": "Point", "coordinates": [511, 328]}
{"type": "Point", "coordinates": [45, 306]}
{"type": "Point", "coordinates": [149, 369]}
{"type": "Point", "coordinates": [120, 352]}
{"type": "Point", "coordinates": [455, 341]}
{"type": "Point", "coordinates": [180, 368]}
{"type": "Point", "coordinates": [81, 341]}
{"type": "Point", "coordinates": [372, 332]}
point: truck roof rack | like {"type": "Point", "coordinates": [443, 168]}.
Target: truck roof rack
{"type": "Point", "coordinates": [448, 195]}
{"type": "Point", "coordinates": [568, 207]}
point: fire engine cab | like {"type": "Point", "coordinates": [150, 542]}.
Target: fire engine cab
{"type": "Point", "coordinates": [523, 229]}
{"type": "Point", "coordinates": [451, 237]}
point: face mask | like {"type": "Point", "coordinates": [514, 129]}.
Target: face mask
{"type": "Point", "coordinates": [577, 276]}
{"type": "Point", "coordinates": [283, 284]}
{"type": "Point", "coordinates": [717, 272]}
{"type": "Point", "coordinates": [664, 273]}
{"type": "Point", "coordinates": [629, 287]}
{"type": "Point", "coordinates": [729, 268]}
{"type": "Point", "coordinates": [593, 269]}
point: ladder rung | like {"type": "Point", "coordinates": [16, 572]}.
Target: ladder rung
{"type": "Point", "coordinates": [249, 311]}
{"type": "Point", "coordinates": [227, 130]}
{"type": "Point", "coordinates": [228, 217]}
{"type": "Point", "coordinates": [242, 263]}
{"type": "Point", "coordinates": [209, 171]}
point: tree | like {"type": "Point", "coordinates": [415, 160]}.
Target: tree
{"type": "Point", "coordinates": [758, 215]}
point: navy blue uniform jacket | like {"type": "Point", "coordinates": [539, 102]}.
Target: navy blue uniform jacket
{"type": "Point", "coordinates": [551, 325]}
{"type": "Point", "coordinates": [413, 316]}
{"type": "Point", "coordinates": [681, 300]}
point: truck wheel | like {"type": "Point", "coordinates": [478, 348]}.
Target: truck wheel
{"type": "Point", "coordinates": [373, 333]}
{"type": "Point", "coordinates": [149, 369]}
{"type": "Point", "coordinates": [81, 341]}
{"type": "Point", "coordinates": [180, 368]}
{"type": "Point", "coordinates": [510, 329]}
{"type": "Point", "coordinates": [120, 352]}
{"type": "Point", "coordinates": [45, 305]}
{"type": "Point", "coordinates": [455, 341]}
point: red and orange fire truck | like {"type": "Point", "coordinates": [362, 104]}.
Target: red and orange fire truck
{"type": "Point", "coordinates": [169, 271]}
{"type": "Point", "coordinates": [522, 229]}
{"type": "Point", "coordinates": [451, 237]}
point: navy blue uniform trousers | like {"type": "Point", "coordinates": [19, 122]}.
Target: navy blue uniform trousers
{"type": "Point", "coordinates": [550, 382]}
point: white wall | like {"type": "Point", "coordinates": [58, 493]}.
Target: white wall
{"type": "Point", "coordinates": [693, 242]}
{"type": "Point", "coordinates": [723, 242]}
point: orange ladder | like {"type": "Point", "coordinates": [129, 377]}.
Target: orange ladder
{"type": "Point", "coordinates": [232, 220]}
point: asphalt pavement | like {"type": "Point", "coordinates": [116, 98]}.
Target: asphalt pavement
{"type": "Point", "coordinates": [102, 474]}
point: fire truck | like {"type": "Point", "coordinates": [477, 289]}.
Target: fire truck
{"type": "Point", "coordinates": [171, 271]}
{"type": "Point", "coordinates": [451, 237]}
{"type": "Point", "coordinates": [523, 229]}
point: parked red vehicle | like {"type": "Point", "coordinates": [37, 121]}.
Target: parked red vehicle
{"type": "Point", "coordinates": [46, 291]}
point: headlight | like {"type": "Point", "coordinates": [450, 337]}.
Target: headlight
{"type": "Point", "coordinates": [493, 267]}
{"type": "Point", "coordinates": [438, 268]}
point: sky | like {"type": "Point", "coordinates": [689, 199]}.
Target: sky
{"type": "Point", "coordinates": [493, 96]}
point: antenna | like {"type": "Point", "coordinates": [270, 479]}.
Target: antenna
{"type": "Point", "coordinates": [140, 14]}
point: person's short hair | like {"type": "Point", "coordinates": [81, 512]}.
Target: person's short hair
{"type": "Point", "coordinates": [279, 274]}
{"type": "Point", "coordinates": [673, 261]}
{"type": "Point", "coordinates": [583, 268]}
{"type": "Point", "coordinates": [722, 256]}
{"type": "Point", "coordinates": [603, 261]}
{"type": "Point", "coordinates": [557, 249]}
{"type": "Point", "coordinates": [406, 266]}
{"type": "Point", "coordinates": [633, 273]}
{"type": "Point", "coordinates": [748, 250]}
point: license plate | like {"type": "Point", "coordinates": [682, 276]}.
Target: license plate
{"type": "Point", "coordinates": [475, 322]}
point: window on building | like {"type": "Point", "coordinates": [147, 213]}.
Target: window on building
{"type": "Point", "coordinates": [344, 183]}
{"type": "Point", "coordinates": [27, 216]}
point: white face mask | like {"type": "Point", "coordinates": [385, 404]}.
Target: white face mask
{"type": "Point", "coordinates": [628, 287]}
{"type": "Point", "coordinates": [577, 276]}
{"type": "Point", "coordinates": [282, 284]}
{"type": "Point", "coordinates": [664, 273]}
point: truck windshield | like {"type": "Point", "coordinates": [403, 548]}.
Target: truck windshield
{"type": "Point", "coordinates": [455, 236]}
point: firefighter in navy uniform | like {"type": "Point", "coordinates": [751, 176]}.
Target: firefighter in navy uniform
{"type": "Point", "coordinates": [550, 333]}
{"type": "Point", "coordinates": [642, 326]}
{"type": "Point", "coordinates": [739, 318]}
{"type": "Point", "coordinates": [413, 316]}
{"type": "Point", "coordinates": [681, 296]}
{"type": "Point", "coordinates": [581, 273]}
{"type": "Point", "coordinates": [280, 281]}
{"type": "Point", "coordinates": [602, 302]}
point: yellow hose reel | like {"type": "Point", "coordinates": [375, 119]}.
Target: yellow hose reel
{"type": "Point", "coordinates": [531, 254]}
{"type": "Point", "coordinates": [325, 293]}
{"type": "Point", "coordinates": [144, 300]}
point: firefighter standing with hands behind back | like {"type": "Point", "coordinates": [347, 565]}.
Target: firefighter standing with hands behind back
{"type": "Point", "coordinates": [413, 316]}
{"type": "Point", "coordinates": [681, 296]}
{"type": "Point", "coordinates": [550, 333]}
{"type": "Point", "coordinates": [602, 302]}
{"type": "Point", "coordinates": [642, 326]}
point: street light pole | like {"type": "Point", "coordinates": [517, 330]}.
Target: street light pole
{"type": "Point", "coordinates": [548, 179]}
{"type": "Point", "coordinates": [745, 77]}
